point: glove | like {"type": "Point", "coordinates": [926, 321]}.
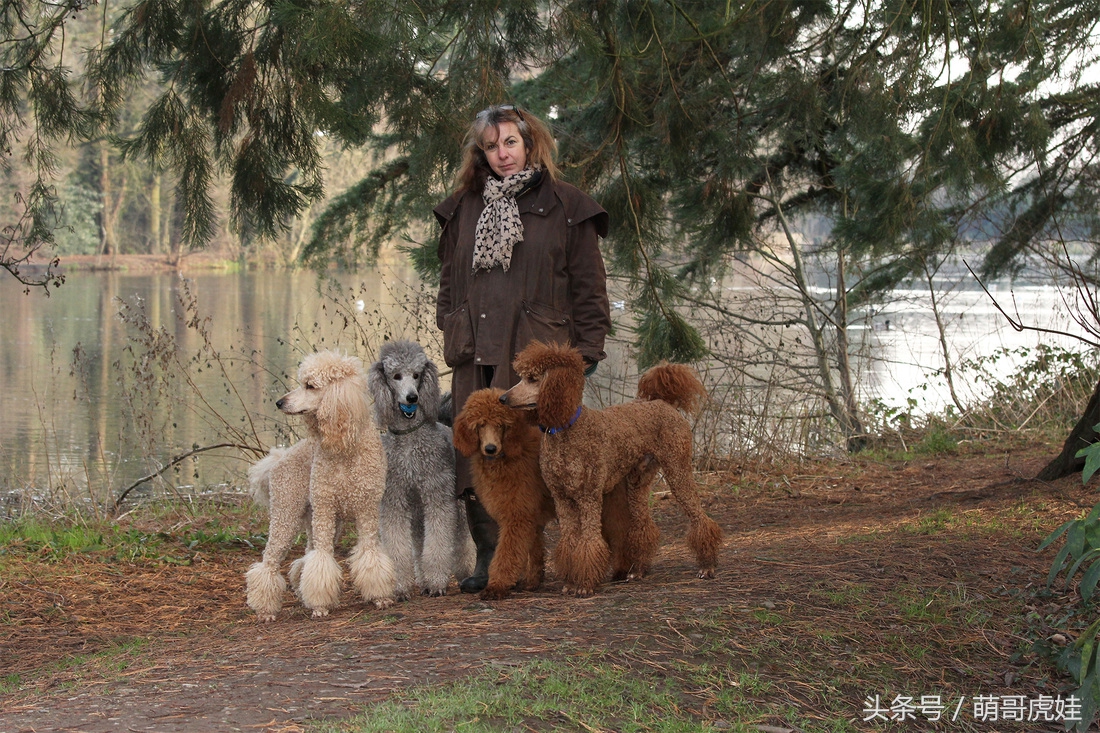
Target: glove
{"type": "Point", "coordinates": [590, 367]}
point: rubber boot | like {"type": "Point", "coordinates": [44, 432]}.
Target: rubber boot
{"type": "Point", "coordinates": [484, 531]}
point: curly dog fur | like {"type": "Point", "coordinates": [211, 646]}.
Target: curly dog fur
{"type": "Point", "coordinates": [423, 528]}
{"type": "Point", "coordinates": [337, 472]}
{"type": "Point", "coordinates": [586, 452]}
{"type": "Point", "coordinates": [503, 445]}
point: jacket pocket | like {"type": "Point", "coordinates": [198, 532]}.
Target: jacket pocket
{"type": "Point", "coordinates": [458, 336]}
{"type": "Point", "coordinates": [540, 322]}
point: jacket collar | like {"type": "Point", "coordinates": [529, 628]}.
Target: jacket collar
{"type": "Point", "coordinates": [539, 200]}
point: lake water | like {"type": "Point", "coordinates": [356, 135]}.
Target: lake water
{"type": "Point", "coordinates": [93, 400]}
{"type": "Point", "coordinates": [97, 399]}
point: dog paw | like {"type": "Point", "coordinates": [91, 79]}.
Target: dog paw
{"type": "Point", "coordinates": [265, 618]}
{"type": "Point", "coordinates": [435, 593]}
{"type": "Point", "coordinates": [383, 603]}
{"type": "Point", "coordinates": [577, 591]}
{"type": "Point", "coordinates": [706, 573]}
{"type": "Point", "coordinates": [320, 612]}
{"type": "Point", "coordinates": [636, 575]}
{"type": "Point", "coordinates": [494, 594]}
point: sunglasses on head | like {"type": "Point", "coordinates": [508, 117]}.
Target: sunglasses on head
{"type": "Point", "coordinates": [500, 108]}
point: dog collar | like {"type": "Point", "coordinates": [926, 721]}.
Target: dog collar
{"type": "Point", "coordinates": [554, 431]}
{"type": "Point", "coordinates": [406, 431]}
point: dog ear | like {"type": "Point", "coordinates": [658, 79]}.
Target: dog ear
{"type": "Point", "coordinates": [429, 391]}
{"type": "Point", "coordinates": [342, 412]}
{"type": "Point", "coordinates": [560, 393]}
{"type": "Point", "coordinates": [379, 387]}
{"type": "Point", "coordinates": [465, 434]}
{"type": "Point", "coordinates": [376, 377]}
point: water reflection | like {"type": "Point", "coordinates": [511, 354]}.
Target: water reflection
{"type": "Point", "coordinates": [93, 401]}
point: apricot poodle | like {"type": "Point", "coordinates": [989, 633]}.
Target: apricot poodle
{"type": "Point", "coordinates": [503, 445]}
{"type": "Point", "coordinates": [586, 452]}
{"type": "Point", "coordinates": [337, 472]}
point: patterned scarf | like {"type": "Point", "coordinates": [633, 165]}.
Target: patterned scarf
{"type": "Point", "coordinates": [499, 227]}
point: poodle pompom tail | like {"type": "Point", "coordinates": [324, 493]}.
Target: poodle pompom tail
{"type": "Point", "coordinates": [676, 384]}
{"type": "Point", "coordinates": [266, 587]}
{"type": "Point", "coordinates": [259, 477]}
{"type": "Point", "coordinates": [294, 575]}
{"type": "Point", "coordinates": [320, 582]}
{"type": "Point", "coordinates": [372, 573]}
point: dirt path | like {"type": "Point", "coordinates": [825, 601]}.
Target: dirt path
{"type": "Point", "coordinates": [167, 648]}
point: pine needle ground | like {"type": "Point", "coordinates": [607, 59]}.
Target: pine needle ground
{"type": "Point", "coordinates": [839, 581]}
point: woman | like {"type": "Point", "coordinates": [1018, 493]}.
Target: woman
{"type": "Point", "coordinates": [521, 261]}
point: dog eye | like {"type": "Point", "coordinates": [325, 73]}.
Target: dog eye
{"type": "Point", "coordinates": [397, 377]}
{"type": "Point", "coordinates": [416, 377]}
{"type": "Point", "coordinates": [310, 385]}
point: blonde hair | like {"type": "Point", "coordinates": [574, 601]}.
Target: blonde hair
{"type": "Point", "coordinates": [537, 140]}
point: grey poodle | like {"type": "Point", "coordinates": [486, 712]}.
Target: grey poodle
{"type": "Point", "coordinates": [422, 528]}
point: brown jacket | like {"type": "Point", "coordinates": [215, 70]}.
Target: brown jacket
{"type": "Point", "coordinates": [554, 290]}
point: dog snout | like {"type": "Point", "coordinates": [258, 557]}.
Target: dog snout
{"type": "Point", "coordinates": [489, 449]}
{"type": "Point", "coordinates": [411, 398]}
{"type": "Point", "coordinates": [504, 399]}
{"type": "Point", "coordinates": [279, 403]}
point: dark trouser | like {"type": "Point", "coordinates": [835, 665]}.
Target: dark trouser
{"type": "Point", "coordinates": [465, 380]}
{"type": "Point", "coordinates": [484, 530]}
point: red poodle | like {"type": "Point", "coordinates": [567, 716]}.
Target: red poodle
{"type": "Point", "coordinates": [504, 447]}
{"type": "Point", "coordinates": [587, 452]}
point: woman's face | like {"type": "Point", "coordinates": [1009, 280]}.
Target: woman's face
{"type": "Point", "coordinates": [504, 149]}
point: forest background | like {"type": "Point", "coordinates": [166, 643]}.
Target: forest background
{"type": "Point", "coordinates": [825, 151]}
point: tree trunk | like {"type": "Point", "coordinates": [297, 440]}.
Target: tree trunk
{"type": "Point", "coordinates": [1081, 436]}
{"type": "Point", "coordinates": [156, 245]}
{"type": "Point", "coordinates": [941, 330]}
{"type": "Point", "coordinates": [844, 414]}
{"type": "Point", "coordinates": [106, 225]}
{"type": "Point", "coordinates": [857, 438]}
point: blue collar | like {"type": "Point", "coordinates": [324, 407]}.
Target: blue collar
{"type": "Point", "coordinates": [554, 431]}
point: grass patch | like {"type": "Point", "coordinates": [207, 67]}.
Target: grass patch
{"type": "Point", "coordinates": [937, 440]}
{"type": "Point", "coordinates": [934, 523]}
{"type": "Point", "coordinates": [105, 664]}
{"type": "Point", "coordinates": [571, 695]}
{"type": "Point", "coordinates": [54, 539]}
{"type": "Point", "coordinates": [33, 535]}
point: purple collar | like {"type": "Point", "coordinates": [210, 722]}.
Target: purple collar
{"type": "Point", "coordinates": [554, 431]}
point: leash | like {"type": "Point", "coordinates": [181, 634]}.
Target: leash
{"type": "Point", "coordinates": [555, 431]}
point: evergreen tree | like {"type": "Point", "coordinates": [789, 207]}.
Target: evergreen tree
{"type": "Point", "coordinates": [39, 110]}
{"type": "Point", "coordinates": [704, 128]}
